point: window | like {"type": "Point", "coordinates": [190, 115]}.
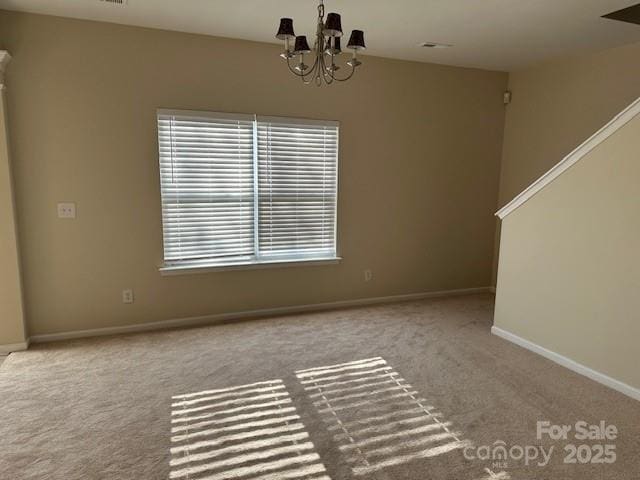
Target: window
{"type": "Point", "coordinates": [245, 189]}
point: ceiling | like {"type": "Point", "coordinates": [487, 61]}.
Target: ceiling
{"type": "Point", "coordinates": [492, 34]}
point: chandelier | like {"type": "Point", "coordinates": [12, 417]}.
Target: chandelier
{"type": "Point", "coordinates": [326, 49]}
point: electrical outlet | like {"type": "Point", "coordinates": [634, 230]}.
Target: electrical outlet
{"type": "Point", "coordinates": [368, 275]}
{"type": "Point", "coordinates": [67, 210]}
{"type": "Point", "coordinates": [127, 296]}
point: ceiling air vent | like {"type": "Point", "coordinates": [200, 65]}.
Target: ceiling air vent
{"type": "Point", "coordinates": [435, 45]}
{"type": "Point", "coordinates": [116, 2]}
{"type": "Point", "coordinates": [629, 14]}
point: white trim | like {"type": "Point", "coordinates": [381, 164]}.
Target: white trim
{"type": "Point", "coordinates": [241, 117]}
{"type": "Point", "coordinates": [298, 121]}
{"type": "Point", "coordinates": [267, 312]}
{"type": "Point", "coordinates": [244, 117]}
{"type": "Point", "coordinates": [600, 136]}
{"type": "Point", "coordinates": [256, 191]}
{"type": "Point", "coordinates": [568, 363]}
{"type": "Point", "coordinates": [14, 347]}
{"type": "Point", "coordinates": [189, 269]}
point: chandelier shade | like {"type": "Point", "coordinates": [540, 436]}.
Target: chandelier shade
{"type": "Point", "coordinates": [302, 46]}
{"type": "Point", "coordinates": [333, 26]}
{"type": "Point", "coordinates": [356, 42]}
{"type": "Point", "coordinates": [286, 29]}
{"type": "Point", "coordinates": [325, 52]}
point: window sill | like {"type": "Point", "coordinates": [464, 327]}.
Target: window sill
{"type": "Point", "coordinates": [171, 270]}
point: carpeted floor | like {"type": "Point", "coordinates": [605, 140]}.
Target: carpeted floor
{"type": "Point", "coordinates": [407, 391]}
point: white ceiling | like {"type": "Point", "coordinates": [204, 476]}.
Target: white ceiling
{"type": "Point", "coordinates": [492, 34]}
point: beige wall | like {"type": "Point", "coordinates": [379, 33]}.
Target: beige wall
{"type": "Point", "coordinates": [568, 278]}
{"type": "Point", "coordinates": [556, 107]}
{"type": "Point", "coordinates": [419, 167]}
{"type": "Point", "coordinates": [12, 331]}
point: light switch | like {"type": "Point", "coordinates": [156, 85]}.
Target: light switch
{"type": "Point", "coordinates": [67, 210]}
{"type": "Point", "coordinates": [127, 296]}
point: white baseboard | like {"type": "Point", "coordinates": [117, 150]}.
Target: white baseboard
{"type": "Point", "coordinates": [267, 312]}
{"type": "Point", "coordinates": [568, 363]}
{"type": "Point", "coordinates": [13, 347]}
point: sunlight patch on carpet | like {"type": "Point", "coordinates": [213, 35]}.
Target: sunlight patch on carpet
{"type": "Point", "coordinates": [250, 432]}
{"type": "Point", "coordinates": [377, 418]}
{"type": "Point", "coordinates": [495, 476]}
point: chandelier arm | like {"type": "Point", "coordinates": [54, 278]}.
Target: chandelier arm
{"type": "Point", "coordinates": [328, 79]}
{"type": "Point", "coordinates": [303, 77]}
{"type": "Point", "coordinates": [319, 45]}
{"type": "Point", "coordinates": [311, 74]}
{"type": "Point", "coordinates": [330, 73]}
{"type": "Point", "coordinates": [322, 70]}
{"type": "Point", "coordinates": [312, 71]}
{"type": "Point", "coordinates": [292, 70]}
{"type": "Point", "coordinates": [308, 78]}
{"type": "Point", "coordinates": [353, 71]}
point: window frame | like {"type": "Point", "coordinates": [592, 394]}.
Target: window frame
{"type": "Point", "coordinates": [194, 267]}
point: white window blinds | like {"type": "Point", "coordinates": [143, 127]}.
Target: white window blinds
{"type": "Point", "coordinates": [297, 174]}
{"type": "Point", "coordinates": [241, 189]}
{"type": "Point", "coordinates": [206, 171]}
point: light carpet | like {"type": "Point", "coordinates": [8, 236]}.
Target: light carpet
{"type": "Point", "coordinates": [397, 391]}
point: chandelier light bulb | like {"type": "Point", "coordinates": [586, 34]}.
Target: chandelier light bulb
{"type": "Point", "coordinates": [333, 46]}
